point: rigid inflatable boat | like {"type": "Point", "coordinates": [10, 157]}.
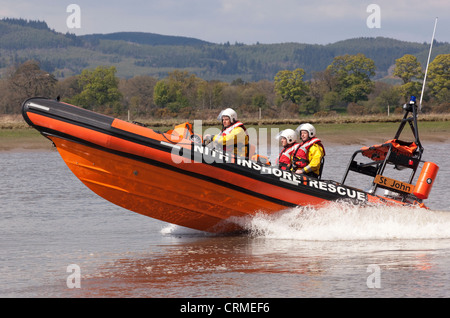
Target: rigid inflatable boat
{"type": "Point", "coordinates": [173, 177]}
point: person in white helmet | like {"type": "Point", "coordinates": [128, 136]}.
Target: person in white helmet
{"type": "Point", "coordinates": [288, 139]}
{"type": "Point", "coordinates": [307, 158]}
{"type": "Point", "coordinates": [233, 137]}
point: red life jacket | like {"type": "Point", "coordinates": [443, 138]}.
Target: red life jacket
{"type": "Point", "coordinates": [301, 159]}
{"type": "Point", "coordinates": [284, 159]}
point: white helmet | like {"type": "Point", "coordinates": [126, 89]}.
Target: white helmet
{"type": "Point", "coordinates": [228, 112]}
{"type": "Point", "coordinates": [309, 128]}
{"type": "Point", "coordinates": [289, 134]}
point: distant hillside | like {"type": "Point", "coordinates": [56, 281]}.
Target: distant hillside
{"type": "Point", "coordinates": [137, 53]}
{"type": "Point", "coordinates": [19, 34]}
{"type": "Point", "coordinates": [145, 38]}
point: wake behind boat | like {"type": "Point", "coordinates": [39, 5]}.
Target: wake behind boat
{"type": "Point", "coordinates": [173, 177]}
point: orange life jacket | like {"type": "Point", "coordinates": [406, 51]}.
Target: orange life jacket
{"type": "Point", "coordinates": [300, 158]}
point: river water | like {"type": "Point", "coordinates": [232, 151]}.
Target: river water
{"type": "Point", "coordinates": [58, 239]}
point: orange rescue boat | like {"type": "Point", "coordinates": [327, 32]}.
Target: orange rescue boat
{"type": "Point", "coordinates": [173, 177]}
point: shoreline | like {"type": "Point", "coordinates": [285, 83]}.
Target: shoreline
{"type": "Point", "coordinates": [27, 139]}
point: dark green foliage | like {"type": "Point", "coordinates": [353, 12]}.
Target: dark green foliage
{"type": "Point", "coordinates": [144, 38]}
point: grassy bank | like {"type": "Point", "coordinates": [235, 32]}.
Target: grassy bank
{"type": "Point", "coordinates": [23, 139]}
{"type": "Point", "coordinates": [16, 134]}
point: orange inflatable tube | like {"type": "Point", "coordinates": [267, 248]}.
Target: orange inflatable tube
{"type": "Point", "coordinates": [426, 180]}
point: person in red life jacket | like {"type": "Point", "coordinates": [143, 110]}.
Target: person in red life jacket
{"type": "Point", "coordinates": [233, 138]}
{"type": "Point", "coordinates": [308, 156]}
{"type": "Point", "coordinates": [288, 138]}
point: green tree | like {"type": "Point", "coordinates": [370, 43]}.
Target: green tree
{"type": "Point", "coordinates": [259, 100]}
{"type": "Point", "coordinates": [410, 88]}
{"type": "Point", "coordinates": [161, 94]}
{"type": "Point", "coordinates": [439, 77]}
{"type": "Point", "coordinates": [183, 89]}
{"type": "Point", "coordinates": [179, 90]}
{"type": "Point", "coordinates": [407, 68]}
{"type": "Point", "coordinates": [290, 85]}
{"type": "Point", "coordinates": [353, 73]}
{"type": "Point", "coordinates": [99, 89]}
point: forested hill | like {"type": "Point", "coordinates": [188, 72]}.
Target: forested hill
{"type": "Point", "coordinates": [145, 38]}
{"type": "Point", "coordinates": [137, 53]}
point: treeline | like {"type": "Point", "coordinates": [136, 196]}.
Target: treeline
{"type": "Point", "coordinates": [344, 86]}
{"type": "Point", "coordinates": [42, 25]}
{"type": "Point", "coordinates": [20, 34]}
{"type": "Point", "coordinates": [144, 38]}
{"type": "Point", "coordinates": [136, 53]}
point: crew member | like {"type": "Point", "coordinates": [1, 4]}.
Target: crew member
{"type": "Point", "coordinates": [233, 137]}
{"type": "Point", "coordinates": [288, 138]}
{"type": "Point", "coordinates": [308, 156]}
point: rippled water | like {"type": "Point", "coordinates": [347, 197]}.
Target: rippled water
{"type": "Point", "coordinates": [50, 220]}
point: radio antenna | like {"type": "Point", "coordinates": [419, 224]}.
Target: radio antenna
{"type": "Point", "coordinates": [428, 62]}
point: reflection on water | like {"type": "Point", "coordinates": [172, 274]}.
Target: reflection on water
{"type": "Point", "coordinates": [262, 267]}
{"type": "Point", "coordinates": [50, 220]}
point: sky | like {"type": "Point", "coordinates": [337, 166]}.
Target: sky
{"type": "Point", "coordinates": [244, 21]}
